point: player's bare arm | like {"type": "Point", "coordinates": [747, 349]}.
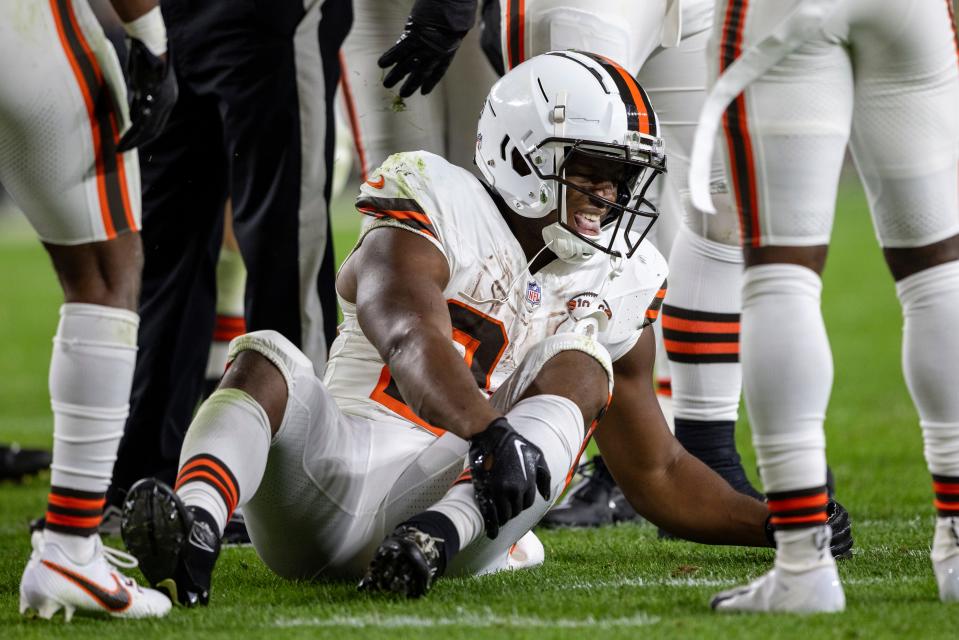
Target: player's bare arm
{"type": "Point", "coordinates": [664, 482]}
{"type": "Point", "coordinates": [396, 280]}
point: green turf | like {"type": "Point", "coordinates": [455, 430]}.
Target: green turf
{"type": "Point", "coordinates": [618, 582]}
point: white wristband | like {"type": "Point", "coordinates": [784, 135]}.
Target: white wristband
{"type": "Point", "coordinates": [150, 30]}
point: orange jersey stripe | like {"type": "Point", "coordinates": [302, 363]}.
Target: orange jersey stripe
{"type": "Point", "coordinates": [946, 506]}
{"type": "Point", "coordinates": [791, 504]}
{"type": "Point", "coordinates": [699, 326]}
{"type": "Point", "coordinates": [701, 347]}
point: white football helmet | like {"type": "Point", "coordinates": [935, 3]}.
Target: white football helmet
{"type": "Point", "coordinates": [568, 106]}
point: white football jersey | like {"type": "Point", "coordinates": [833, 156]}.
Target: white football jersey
{"type": "Point", "coordinates": [499, 310]}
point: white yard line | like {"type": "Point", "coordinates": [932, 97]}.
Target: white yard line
{"type": "Point", "coordinates": [471, 619]}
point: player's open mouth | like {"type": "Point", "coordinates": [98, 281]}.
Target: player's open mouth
{"type": "Point", "coordinates": [587, 223]}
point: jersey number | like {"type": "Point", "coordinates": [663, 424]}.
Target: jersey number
{"type": "Point", "coordinates": [483, 339]}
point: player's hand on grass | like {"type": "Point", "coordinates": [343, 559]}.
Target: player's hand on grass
{"type": "Point", "coordinates": [507, 472]}
{"type": "Point", "coordinates": [427, 45]}
{"type": "Point", "coordinates": [153, 92]}
{"type": "Point", "coordinates": [841, 524]}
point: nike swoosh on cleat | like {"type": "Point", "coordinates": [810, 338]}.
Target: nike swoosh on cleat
{"type": "Point", "coordinates": [115, 601]}
{"type": "Point", "coordinates": [522, 461]}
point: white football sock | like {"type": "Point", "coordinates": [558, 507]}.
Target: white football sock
{"type": "Point", "coordinates": [930, 360]}
{"type": "Point", "coordinates": [702, 303]}
{"type": "Point", "coordinates": [787, 374]}
{"type": "Point", "coordinates": [91, 374]}
{"type": "Point", "coordinates": [224, 454]}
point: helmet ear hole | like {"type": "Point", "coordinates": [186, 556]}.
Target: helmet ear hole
{"type": "Point", "coordinates": [520, 165]}
{"type": "Point", "coordinates": [502, 147]}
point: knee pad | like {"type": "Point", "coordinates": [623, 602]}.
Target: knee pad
{"type": "Point", "coordinates": [534, 360]}
{"type": "Point", "coordinates": [303, 387]}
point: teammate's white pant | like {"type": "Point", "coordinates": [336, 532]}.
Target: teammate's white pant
{"type": "Point", "coordinates": [334, 485]}
{"type": "Point", "coordinates": [443, 122]}
{"type": "Point", "coordinates": [63, 106]}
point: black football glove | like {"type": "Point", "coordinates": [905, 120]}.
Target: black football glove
{"type": "Point", "coordinates": [507, 471]}
{"type": "Point", "coordinates": [153, 92]}
{"type": "Point", "coordinates": [427, 45]}
{"type": "Point", "coordinates": [841, 524]}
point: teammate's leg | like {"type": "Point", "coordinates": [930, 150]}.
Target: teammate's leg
{"type": "Point", "coordinates": [230, 285]}
{"type": "Point", "coordinates": [176, 536]}
{"type": "Point", "coordinates": [558, 391]}
{"type": "Point", "coordinates": [82, 197]}
{"type": "Point", "coordinates": [784, 163]}
{"type": "Point", "coordinates": [913, 78]}
{"type": "Point", "coordinates": [701, 311]}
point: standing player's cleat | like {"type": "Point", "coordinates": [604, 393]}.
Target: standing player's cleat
{"type": "Point", "coordinates": [945, 558]}
{"type": "Point", "coordinates": [526, 553]}
{"type": "Point", "coordinates": [177, 546]}
{"type": "Point", "coordinates": [53, 581]}
{"type": "Point", "coordinates": [815, 590]}
{"type": "Point", "coordinates": [594, 501]}
{"type": "Point", "coordinates": [406, 563]}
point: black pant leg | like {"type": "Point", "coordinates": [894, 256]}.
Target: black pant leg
{"type": "Point", "coordinates": [277, 101]}
{"type": "Point", "coordinates": [184, 185]}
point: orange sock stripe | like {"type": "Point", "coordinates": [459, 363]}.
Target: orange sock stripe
{"type": "Point", "coordinates": [216, 467]}
{"type": "Point", "coordinates": [791, 504]}
{"type": "Point", "coordinates": [946, 487]}
{"type": "Point", "coordinates": [73, 522]}
{"type": "Point", "coordinates": [200, 475]}
{"type": "Point", "coordinates": [674, 346]}
{"type": "Point", "coordinates": [228, 327]}
{"type": "Point", "coordinates": [952, 507]}
{"type": "Point", "coordinates": [698, 326]}
{"type": "Point", "coordinates": [82, 504]}
{"type": "Point", "coordinates": [814, 518]}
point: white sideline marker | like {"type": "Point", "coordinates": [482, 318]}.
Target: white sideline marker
{"type": "Point", "coordinates": [468, 619]}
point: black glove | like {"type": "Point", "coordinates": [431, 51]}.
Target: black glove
{"type": "Point", "coordinates": [153, 92]}
{"type": "Point", "coordinates": [428, 43]}
{"type": "Point", "coordinates": [838, 519]}
{"type": "Point", "coordinates": [507, 470]}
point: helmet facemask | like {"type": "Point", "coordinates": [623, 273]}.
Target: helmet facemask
{"type": "Point", "coordinates": [630, 168]}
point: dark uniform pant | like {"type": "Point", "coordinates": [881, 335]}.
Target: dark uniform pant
{"type": "Point", "coordinates": [254, 122]}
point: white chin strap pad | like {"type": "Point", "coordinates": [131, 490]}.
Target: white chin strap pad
{"type": "Point", "coordinates": [567, 246]}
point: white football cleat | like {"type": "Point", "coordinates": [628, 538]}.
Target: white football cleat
{"type": "Point", "coordinates": [528, 552]}
{"type": "Point", "coordinates": [816, 590]}
{"type": "Point", "coordinates": [945, 558]}
{"type": "Point", "coordinates": [52, 581]}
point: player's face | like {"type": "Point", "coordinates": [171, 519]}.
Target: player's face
{"type": "Point", "coordinates": [592, 177]}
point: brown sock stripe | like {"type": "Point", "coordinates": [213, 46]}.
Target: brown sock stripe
{"type": "Point", "coordinates": [798, 509]}
{"type": "Point", "coordinates": [74, 512]}
{"type": "Point", "coordinates": [211, 471]}
{"type": "Point", "coordinates": [947, 495]}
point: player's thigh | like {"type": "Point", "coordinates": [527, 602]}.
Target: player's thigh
{"type": "Point", "coordinates": [62, 109]}
{"type": "Point", "coordinates": [905, 134]}
{"type": "Point", "coordinates": [785, 137]}
{"type": "Point", "coordinates": [382, 122]}
{"type": "Point", "coordinates": [622, 30]}
{"type": "Point", "coordinates": [676, 79]}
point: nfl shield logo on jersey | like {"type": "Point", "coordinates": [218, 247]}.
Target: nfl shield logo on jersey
{"type": "Point", "coordinates": [534, 294]}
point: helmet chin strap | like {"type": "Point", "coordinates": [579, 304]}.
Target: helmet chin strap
{"type": "Point", "coordinates": [565, 244]}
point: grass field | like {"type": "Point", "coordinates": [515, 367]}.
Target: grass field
{"type": "Point", "coordinates": [620, 582]}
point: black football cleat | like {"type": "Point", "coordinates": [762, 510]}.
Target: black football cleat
{"type": "Point", "coordinates": [17, 463]}
{"type": "Point", "coordinates": [406, 563]}
{"type": "Point", "coordinates": [177, 546]}
{"type": "Point", "coordinates": [594, 501]}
